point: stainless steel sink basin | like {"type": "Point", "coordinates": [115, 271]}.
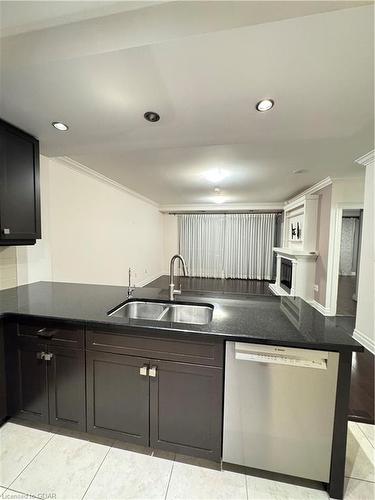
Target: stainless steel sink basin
{"type": "Point", "coordinates": [183, 313]}
{"type": "Point", "coordinates": [140, 310]}
{"type": "Point", "coordinates": [194, 314]}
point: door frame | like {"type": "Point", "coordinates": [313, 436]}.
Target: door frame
{"type": "Point", "coordinates": [334, 253]}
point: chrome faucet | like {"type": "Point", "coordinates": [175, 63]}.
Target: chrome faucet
{"type": "Point", "coordinates": [130, 287]}
{"type": "Point", "coordinates": [172, 291]}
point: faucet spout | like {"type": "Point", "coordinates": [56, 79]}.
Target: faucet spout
{"type": "Point", "coordinates": [172, 291]}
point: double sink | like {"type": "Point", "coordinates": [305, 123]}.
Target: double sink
{"type": "Point", "coordinates": [194, 314]}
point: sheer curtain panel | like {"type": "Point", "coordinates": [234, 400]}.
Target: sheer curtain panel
{"type": "Point", "coordinates": [249, 240]}
{"type": "Point", "coordinates": [201, 238]}
{"type": "Point", "coordinates": [228, 246]}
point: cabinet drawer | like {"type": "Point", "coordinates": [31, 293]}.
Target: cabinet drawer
{"type": "Point", "coordinates": [185, 348]}
{"type": "Point", "coordinates": [52, 333]}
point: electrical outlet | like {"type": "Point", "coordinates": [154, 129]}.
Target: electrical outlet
{"type": "Point", "coordinates": [316, 288]}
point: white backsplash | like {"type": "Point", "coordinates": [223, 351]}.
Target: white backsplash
{"type": "Point", "coordinates": [8, 267]}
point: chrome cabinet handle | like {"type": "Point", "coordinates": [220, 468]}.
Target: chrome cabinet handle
{"type": "Point", "coordinates": [46, 356]}
{"type": "Point", "coordinates": [152, 371]}
{"type": "Point", "coordinates": [143, 370]}
{"type": "Point", "coordinates": [6, 230]}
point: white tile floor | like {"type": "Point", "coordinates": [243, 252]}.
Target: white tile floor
{"type": "Point", "coordinates": [36, 463]}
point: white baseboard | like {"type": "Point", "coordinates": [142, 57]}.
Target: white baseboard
{"type": "Point", "coordinates": [323, 310]}
{"type": "Point", "coordinates": [148, 280]}
{"type": "Point", "coordinates": [363, 339]}
{"type": "Point", "coordinates": [277, 290]}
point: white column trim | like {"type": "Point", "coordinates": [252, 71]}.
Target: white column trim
{"type": "Point", "coordinates": [364, 340]}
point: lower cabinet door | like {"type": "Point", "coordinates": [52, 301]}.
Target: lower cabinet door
{"type": "Point", "coordinates": [30, 382]}
{"type": "Point", "coordinates": [186, 408]}
{"type": "Point", "coordinates": [66, 385]}
{"type": "Point", "coordinates": [118, 396]}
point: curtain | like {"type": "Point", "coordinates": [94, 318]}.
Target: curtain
{"type": "Point", "coordinates": [348, 249]}
{"type": "Point", "coordinates": [249, 240]}
{"type": "Point", "coordinates": [228, 246]}
{"type": "Point", "coordinates": [201, 244]}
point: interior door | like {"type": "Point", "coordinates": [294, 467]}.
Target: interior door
{"type": "Point", "coordinates": [118, 396]}
{"type": "Point", "coordinates": [186, 408]}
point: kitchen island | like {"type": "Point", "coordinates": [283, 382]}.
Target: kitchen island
{"type": "Point", "coordinates": [68, 362]}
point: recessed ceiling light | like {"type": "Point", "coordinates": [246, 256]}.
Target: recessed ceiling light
{"type": "Point", "coordinates": [264, 105]}
{"type": "Point", "coordinates": [151, 116]}
{"type": "Point", "coordinates": [60, 126]}
{"type": "Point", "coordinates": [215, 175]}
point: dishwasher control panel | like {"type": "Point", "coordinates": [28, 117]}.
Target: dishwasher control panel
{"type": "Point", "coordinates": [290, 356]}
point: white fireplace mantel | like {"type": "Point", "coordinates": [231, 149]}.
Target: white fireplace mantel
{"type": "Point", "coordinates": [294, 253]}
{"type": "Point", "coordinates": [303, 272]}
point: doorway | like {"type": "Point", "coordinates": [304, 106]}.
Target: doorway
{"type": "Point", "coordinates": [349, 262]}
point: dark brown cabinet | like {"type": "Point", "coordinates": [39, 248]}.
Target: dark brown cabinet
{"type": "Point", "coordinates": [117, 397]}
{"type": "Point", "coordinates": [160, 391]}
{"type": "Point", "coordinates": [165, 404]}
{"type": "Point", "coordinates": [30, 377]}
{"type": "Point", "coordinates": [3, 391]}
{"type": "Point", "coordinates": [185, 409]}
{"type": "Point", "coordinates": [66, 388]}
{"type": "Point", "coordinates": [46, 382]}
{"type": "Point", "coordinates": [19, 187]}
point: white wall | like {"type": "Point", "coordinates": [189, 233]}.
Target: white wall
{"type": "Point", "coordinates": [8, 267]}
{"type": "Point", "coordinates": [365, 322]}
{"type": "Point", "coordinates": [351, 190]}
{"type": "Point", "coordinates": [34, 261]}
{"type": "Point", "coordinates": [170, 240]}
{"type": "Point", "coordinates": [93, 231]}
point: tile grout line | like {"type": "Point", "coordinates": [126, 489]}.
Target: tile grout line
{"type": "Point", "coordinates": [19, 492]}
{"type": "Point", "coordinates": [94, 476]}
{"type": "Point", "coordinates": [247, 492]}
{"type": "Point", "coordinates": [32, 460]}
{"type": "Point", "coordinates": [169, 480]}
{"type": "Point", "coordinates": [360, 428]}
{"type": "Point", "coordinates": [364, 480]}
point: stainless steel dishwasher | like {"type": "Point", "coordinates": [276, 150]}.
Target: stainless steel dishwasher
{"type": "Point", "coordinates": [279, 408]}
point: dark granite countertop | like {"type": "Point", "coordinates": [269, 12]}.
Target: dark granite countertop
{"type": "Point", "coordinates": [250, 318]}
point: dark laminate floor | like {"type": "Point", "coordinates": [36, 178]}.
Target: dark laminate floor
{"type": "Point", "coordinates": [252, 287]}
{"type": "Point", "coordinates": [346, 306]}
{"type": "Point", "coordinates": [361, 406]}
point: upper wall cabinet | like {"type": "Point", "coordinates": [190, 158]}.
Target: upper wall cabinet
{"type": "Point", "coordinates": [19, 187]}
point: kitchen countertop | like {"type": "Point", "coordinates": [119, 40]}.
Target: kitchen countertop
{"type": "Point", "coordinates": [249, 318]}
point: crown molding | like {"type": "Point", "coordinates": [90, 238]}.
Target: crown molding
{"type": "Point", "coordinates": [224, 207]}
{"type": "Point", "coordinates": [102, 178]}
{"type": "Point", "coordinates": [366, 160]}
{"type": "Point", "coordinates": [311, 190]}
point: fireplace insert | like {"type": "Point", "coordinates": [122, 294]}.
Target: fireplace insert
{"type": "Point", "coordinates": [286, 270]}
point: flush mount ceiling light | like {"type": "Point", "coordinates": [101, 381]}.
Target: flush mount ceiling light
{"type": "Point", "coordinates": [60, 126]}
{"type": "Point", "coordinates": [215, 175]}
{"type": "Point", "coordinates": [151, 116]}
{"type": "Point", "coordinates": [264, 105]}
{"type": "Point", "coordinates": [219, 198]}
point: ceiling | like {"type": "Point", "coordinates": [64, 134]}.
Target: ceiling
{"type": "Point", "coordinates": [24, 16]}
{"type": "Point", "coordinates": [202, 66]}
